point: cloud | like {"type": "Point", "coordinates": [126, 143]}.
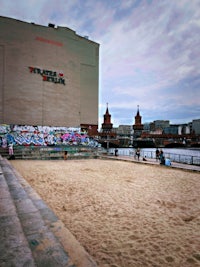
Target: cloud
{"type": "Point", "coordinates": [149, 50]}
{"type": "Point", "coordinates": [156, 54]}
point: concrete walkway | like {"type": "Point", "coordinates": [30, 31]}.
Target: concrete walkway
{"type": "Point", "coordinates": [154, 162]}
{"type": "Point", "coordinates": [30, 233]}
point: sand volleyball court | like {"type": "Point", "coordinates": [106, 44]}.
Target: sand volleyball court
{"type": "Point", "coordinates": [124, 214]}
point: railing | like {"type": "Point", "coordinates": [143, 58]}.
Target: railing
{"type": "Point", "coordinates": [187, 159]}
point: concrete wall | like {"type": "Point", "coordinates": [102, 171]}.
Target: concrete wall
{"type": "Point", "coordinates": [40, 95]}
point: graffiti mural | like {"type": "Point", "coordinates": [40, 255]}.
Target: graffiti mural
{"type": "Point", "coordinates": [25, 135]}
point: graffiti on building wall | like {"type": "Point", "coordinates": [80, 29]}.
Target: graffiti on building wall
{"type": "Point", "coordinates": [43, 136]}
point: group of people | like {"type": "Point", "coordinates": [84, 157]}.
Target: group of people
{"type": "Point", "coordinates": [160, 156]}
{"type": "Point", "coordinates": [137, 155]}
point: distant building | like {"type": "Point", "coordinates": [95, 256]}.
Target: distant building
{"type": "Point", "coordinates": [172, 129]}
{"type": "Point", "coordinates": [190, 126]}
{"type": "Point", "coordinates": [138, 126]}
{"type": "Point", "coordinates": [196, 126]}
{"type": "Point", "coordinates": [48, 76]}
{"type": "Point", "coordinates": [125, 135]}
{"type": "Point", "coordinates": [124, 130]}
{"type": "Point", "coordinates": [159, 125]}
{"type": "Point", "coordinates": [146, 127]}
{"type": "Point", "coordinates": [183, 129]}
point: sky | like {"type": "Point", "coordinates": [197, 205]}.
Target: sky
{"type": "Point", "coordinates": [149, 52]}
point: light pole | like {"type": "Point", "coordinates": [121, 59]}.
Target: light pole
{"type": "Point", "coordinates": [107, 144]}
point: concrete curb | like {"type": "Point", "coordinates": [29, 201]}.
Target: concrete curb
{"type": "Point", "coordinates": [175, 165]}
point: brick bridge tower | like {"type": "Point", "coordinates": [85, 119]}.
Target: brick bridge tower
{"type": "Point", "coordinates": [138, 126]}
{"type": "Point", "coordinates": [107, 125]}
{"type": "Point", "coordinates": [107, 137]}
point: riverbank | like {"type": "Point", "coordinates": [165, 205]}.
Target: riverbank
{"type": "Point", "coordinates": [123, 213]}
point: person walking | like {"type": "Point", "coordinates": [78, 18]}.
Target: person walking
{"type": "Point", "coordinates": [65, 155]}
{"type": "Point", "coordinates": [11, 151]}
{"type": "Point", "coordinates": [138, 153]}
{"type": "Point", "coordinates": [162, 158]}
{"type": "Point", "coordinates": [157, 154]}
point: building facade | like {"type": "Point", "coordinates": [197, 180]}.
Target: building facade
{"type": "Point", "coordinates": [124, 131]}
{"type": "Point", "coordinates": [196, 126]}
{"type": "Point", "coordinates": [48, 76]}
{"type": "Point", "coordinates": [159, 125]}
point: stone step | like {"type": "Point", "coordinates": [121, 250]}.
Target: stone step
{"type": "Point", "coordinates": [41, 238]}
{"type": "Point", "coordinates": [38, 153]}
{"type": "Point", "coordinates": [14, 247]}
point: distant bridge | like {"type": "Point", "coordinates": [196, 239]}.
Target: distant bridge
{"type": "Point", "coordinates": [173, 140]}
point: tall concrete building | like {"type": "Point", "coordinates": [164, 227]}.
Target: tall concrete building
{"type": "Point", "coordinates": [196, 126]}
{"type": "Point", "coordinates": [49, 75]}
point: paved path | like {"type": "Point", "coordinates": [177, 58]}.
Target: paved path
{"type": "Point", "coordinates": [154, 162]}
{"type": "Point", "coordinates": [30, 233]}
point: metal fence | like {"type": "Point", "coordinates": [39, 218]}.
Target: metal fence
{"type": "Point", "coordinates": [187, 159]}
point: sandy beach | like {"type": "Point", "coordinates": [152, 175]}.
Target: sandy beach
{"type": "Point", "coordinates": [124, 214]}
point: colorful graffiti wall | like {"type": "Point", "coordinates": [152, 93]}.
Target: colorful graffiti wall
{"type": "Point", "coordinates": [25, 135]}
